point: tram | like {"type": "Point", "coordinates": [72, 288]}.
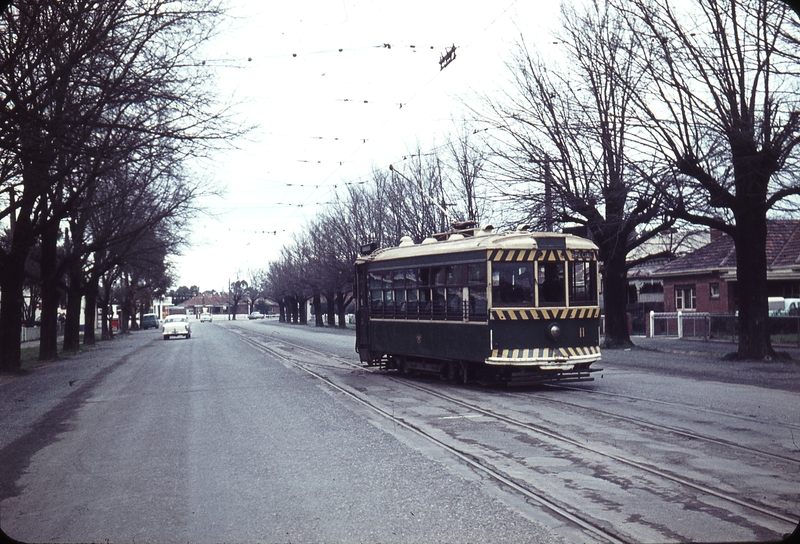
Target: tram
{"type": "Point", "coordinates": [472, 305]}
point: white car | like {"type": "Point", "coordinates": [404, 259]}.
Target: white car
{"type": "Point", "coordinates": [176, 325]}
{"type": "Point", "coordinates": [205, 316]}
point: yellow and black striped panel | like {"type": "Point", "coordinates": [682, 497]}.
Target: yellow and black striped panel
{"type": "Point", "coordinates": [545, 255]}
{"type": "Point", "coordinates": [545, 313]}
{"type": "Point", "coordinates": [553, 255]}
{"type": "Point", "coordinates": [545, 353]}
{"type": "Point", "coordinates": [512, 255]}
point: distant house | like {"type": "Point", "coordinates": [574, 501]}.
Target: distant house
{"type": "Point", "coordinates": [211, 303]}
{"type": "Point", "coordinates": [705, 280]}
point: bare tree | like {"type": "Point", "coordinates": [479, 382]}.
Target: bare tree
{"type": "Point", "coordinates": [722, 106]}
{"type": "Point", "coordinates": [415, 193]}
{"type": "Point", "coordinates": [566, 147]}
{"type": "Point", "coordinates": [237, 293]}
{"type": "Point", "coordinates": [469, 157]}
{"type": "Point", "coordinates": [75, 79]}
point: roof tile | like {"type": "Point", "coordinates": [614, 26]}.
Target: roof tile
{"type": "Point", "coordinates": [783, 250]}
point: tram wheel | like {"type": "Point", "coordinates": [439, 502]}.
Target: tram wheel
{"type": "Point", "coordinates": [402, 366]}
{"type": "Point", "coordinates": [455, 372]}
{"type": "Point", "coordinates": [465, 374]}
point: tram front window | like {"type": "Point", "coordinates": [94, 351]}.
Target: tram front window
{"type": "Point", "coordinates": [512, 284]}
{"type": "Point", "coordinates": [552, 291]}
{"type": "Point", "coordinates": [582, 283]}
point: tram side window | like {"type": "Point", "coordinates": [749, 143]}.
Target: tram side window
{"type": "Point", "coordinates": [374, 280]}
{"type": "Point", "coordinates": [375, 283]}
{"type": "Point", "coordinates": [437, 277]}
{"type": "Point", "coordinates": [478, 303]}
{"type": "Point", "coordinates": [476, 274]}
{"type": "Point", "coordinates": [376, 303]}
{"type": "Point", "coordinates": [583, 283]}
{"type": "Point", "coordinates": [424, 293]}
{"type": "Point", "coordinates": [388, 303]}
{"type": "Point", "coordinates": [455, 292]}
{"type": "Point", "coordinates": [401, 305]}
{"type": "Point", "coordinates": [399, 298]}
{"type": "Point", "coordinates": [388, 295]}
{"type": "Point", "coordinates": [437, 303]}
{"type": "Point", "coordinates": [412, 297]}
{"type": "Point", "coordinates": [512, 284]}
{"type": "Point", "coordinates": [455, 303]}
{"type": "Point", "coordinates": [552, 291]}
{"type": "Point", "coordinates": [476, 280]}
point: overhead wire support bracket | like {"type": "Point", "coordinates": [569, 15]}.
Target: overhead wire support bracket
{"type": "Point", "coordinates": [448, 57]}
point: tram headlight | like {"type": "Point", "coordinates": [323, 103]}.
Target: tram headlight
{"type": "Point", "coordinates": [554, 330]}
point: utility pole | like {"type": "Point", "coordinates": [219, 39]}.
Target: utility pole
{"type": "Point", "coordinates": [548, 190]}
{"type": "Point", "coordinates": [548, 197]}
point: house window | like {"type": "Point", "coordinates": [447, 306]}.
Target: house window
{"type": "Point", "coordinates": [714, 287]}
{"type": "Point", "coordinates": [685, 297]}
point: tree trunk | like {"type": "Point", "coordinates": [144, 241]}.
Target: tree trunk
{"type": "Point", "coordinates": [12, 276]}
{"type": "Point", "coordinates": [329, 295]}
{"type": "Point", "coordinates": [12, 279]}
{"type": "Point", "coordinates": [48, 342]}
{"type": "Point", "coordinates": [107, 332]}
{"type": "Point", "coordinates": [302, 309]}
{"type": "Point", "coordinates": [318, 321]}
{"type": "Point", "coordinates": [124, 316]}
{"type": "Point", "coordinates": [282, 310]}
{"type": "Point", "coordinates": [72, 325]}
{"type": "Point", "coordinates": [90, 313]}
{"type": "Point", "coordinates": [615, 290]}
{"type": "Point", "coordinates": [340, 307]}
{"type": "Point", "coordinates": [751, 279]}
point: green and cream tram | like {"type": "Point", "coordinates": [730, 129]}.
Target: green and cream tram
{"type": "Point", "coordinates": [472, 305]}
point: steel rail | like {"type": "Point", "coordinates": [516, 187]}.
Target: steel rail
{"type": "Point", "coordinates": [555, 436]}
{"type": "Point", "coordinates": [595, 530]}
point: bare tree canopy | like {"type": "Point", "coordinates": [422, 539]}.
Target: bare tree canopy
{"type": "Point", "coordinates": [722, 107]}
{"type": "Point", "coordinates": [564, 148]}
{"type": "Point", "coordinates": [92, 92]}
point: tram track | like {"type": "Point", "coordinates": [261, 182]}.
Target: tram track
{"type": "Point", "coordinates": [679, 405]}
{"type": "Point", "coordinates": [599, 451]}
{"type": "Point", "coordinates": [312, 368]}
{"type": "Point", "coordinates": [594, 530]}
{"type": "Point", "coordinates": [675, 430]}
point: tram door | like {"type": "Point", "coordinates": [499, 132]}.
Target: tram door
{"type": "Point", "coordinates": [362, 312]}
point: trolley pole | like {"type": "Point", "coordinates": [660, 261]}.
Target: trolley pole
{"type": "Point", "coordinates": [426, 195]}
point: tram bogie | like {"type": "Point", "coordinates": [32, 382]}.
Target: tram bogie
{"type": "Point", "coordinates": [474, 306]}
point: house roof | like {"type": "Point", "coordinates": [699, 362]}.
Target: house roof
{"type": "Point", "coordinates": [207, 299]}
{"type": "Point", "coordinates": [783, 252]}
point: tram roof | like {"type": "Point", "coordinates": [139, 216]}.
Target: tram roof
{"type": "Point", "coordinates": [460, 243]}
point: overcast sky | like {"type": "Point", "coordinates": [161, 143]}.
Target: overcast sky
{"type": "Point", "coordinates": [326, 117]}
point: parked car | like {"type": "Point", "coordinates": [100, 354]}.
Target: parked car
{"type": "Point", "coordinates": [176, 325]}
{"type": "Point", "coordinates": [149, 321]}
{"type": "Point", "coordinates": [256, 315]}
{"type": "Point", "coordinates": [205, 316]}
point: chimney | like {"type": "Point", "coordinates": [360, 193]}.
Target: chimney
{"type": "Point", "coordinates": [716, 234]}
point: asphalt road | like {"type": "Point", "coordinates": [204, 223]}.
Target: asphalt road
{"type": "Point", "coordinates": [209, 440]}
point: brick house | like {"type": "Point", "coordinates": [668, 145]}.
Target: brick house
{"type": "Point", "coordinates": [213, 304]}
{"type": "Point", "coordinates": [705, 280]}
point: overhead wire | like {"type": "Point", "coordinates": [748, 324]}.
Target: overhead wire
{"type": "Point", "coordinates": [325, 181]}
{"type": "Point", "coordinates": [425, 85]}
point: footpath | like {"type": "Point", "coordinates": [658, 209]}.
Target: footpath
{"type": "Point", "coordinates": [701, 347]}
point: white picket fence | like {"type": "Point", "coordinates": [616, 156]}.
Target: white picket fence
{"type": "Point", "coordinates": [692, 325]}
